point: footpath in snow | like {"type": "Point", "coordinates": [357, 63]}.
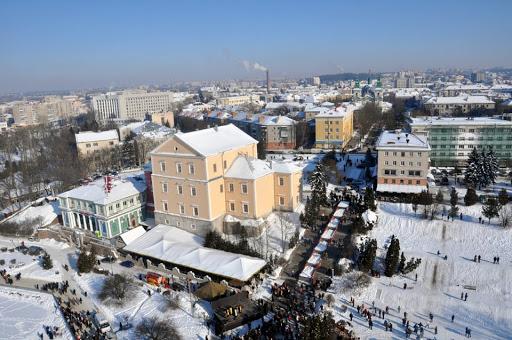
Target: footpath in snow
{"type": "Point", "coordinates": [488, 309]}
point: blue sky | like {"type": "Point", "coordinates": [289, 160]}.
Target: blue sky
{"type": "Point", "coordinates": [79, 44]}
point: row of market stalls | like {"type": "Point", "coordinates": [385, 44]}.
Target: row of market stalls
{"type": "Point", "coordinates": [315, 260]}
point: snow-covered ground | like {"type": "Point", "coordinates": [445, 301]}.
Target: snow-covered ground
{"type": "Point", "coordinates": [47, 213]}
{"type": "Point", "coordinates": [488, 309]}
{"type": "Point", "coordinates": [190, 323]}
{"type": "Point", "coordinates": [23, 314]}
{"type": "Point", "coordinates": [28, 266]}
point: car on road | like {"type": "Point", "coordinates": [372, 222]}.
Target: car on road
{"type": "Point", "coordinates": [127, 264]}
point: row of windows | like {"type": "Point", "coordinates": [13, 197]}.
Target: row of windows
{"type": "Point", "coordinates": [402, 163]}
{"type": "Point", "coordinates": [453, 138]}
{"type": "Point", "coordinates": [402, 172]}
{"type": "Point", "coordinates": [402, 153]}
{"type": "Point", "coordinates": [470, 146]}
{"type": "Point", "coordinates": [394, 181]}
{"type": "Point", "coordinates": [179, 167]}
{"type": "Point", "coordinates": [181, 208]}
{"type": "Point", "coordinates": [498, 154]}
{"type": "Point", "coordinates": [88, 145]}
{"type": "Point", "coordinates": [471, 130]}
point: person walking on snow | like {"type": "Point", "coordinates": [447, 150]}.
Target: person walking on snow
{"type": "Point", "coordinates": [466, 297]}
{"type": "Point", "coordinates": [453, 317]}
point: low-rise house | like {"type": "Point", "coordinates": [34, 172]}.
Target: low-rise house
{"type": "Point", "coordinates": [464, 104]}
{"type": "Point", "coordinates": [106, 207]}
{"type": "Point", "coordinates": [88, 142]}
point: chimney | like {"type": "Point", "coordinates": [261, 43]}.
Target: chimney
{"type": "Point", "coordinates": [268, 82]}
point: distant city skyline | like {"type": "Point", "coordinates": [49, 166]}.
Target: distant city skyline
{"type": "Point", "coordinates": [62, 45]}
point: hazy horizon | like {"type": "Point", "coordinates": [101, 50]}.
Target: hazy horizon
{"type": "Point", "coordinates": [61, 45]}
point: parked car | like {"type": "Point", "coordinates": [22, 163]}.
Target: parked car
{"type": "Point", "coordinates": [108, 259]}
{"type": "Point", "coordinates": [101, 323]}
{"type": "Point", "coordinates": [127, 264]}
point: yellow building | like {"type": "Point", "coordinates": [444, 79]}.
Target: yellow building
{"type": "Point", "coordinates": [162, 118]}
{"type": "Point", "coordinates": [334, 128]}
{"type": "Point", "coordinates": [199, 177]}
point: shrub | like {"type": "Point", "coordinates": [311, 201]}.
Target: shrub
{"type": "Point", "coordinates": [117, 288]}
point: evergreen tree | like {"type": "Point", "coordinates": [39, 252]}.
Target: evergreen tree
{"type": "Point", "coordinates": [491, 208]}
{"type": "Point", "coordinates": [369, 199]}
{"type": "Point", "coordinates": [491, 166]}
{"type": "Point", "coordinates": [411, 265]}
{"type": "Point", "coordinates": [318, 183]}
{"type": "Point", "coordinates": [484, 170]}
{"type": "Point", "coordinates": [47, 262]}
{"type": "Point", "coordinates": [392, 257]}
{"type": "Point", "coordinates": [471, 197]}
{"type": "Point", "coordinates": [128, 154]}
{"type": "Point", "coordinates": [471, 175]}
{"type": "Point", "coordinates": [369, 159]}
{"type": "Point", "coordinates": [503, 197]}
{"type": "Point", "coordinates": [415, 201]}
{"type": "Point", "coordinates": [454, 197]}
{"type": "Point", "coordinates": [401, 264]}
{"type": "Point", "coordinates": [439, 197]}
{"type": "Point", "coordinates": [368, 252]}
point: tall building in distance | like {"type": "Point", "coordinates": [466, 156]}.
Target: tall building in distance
{"type": "Point", "coordinates": [130, 105]}
{"type": "Point", "coordinates": [478, 77]}
{"type": "Point", "coordinates": [51, 109]}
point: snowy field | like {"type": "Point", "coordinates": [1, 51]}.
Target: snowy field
{"type": "Point", "coordinates": [23, 314]}
{"type": "Point", "coordinates": [190, 323]}
{"type": "Point", "coordinates": [45, 213]}
{"type": "Point", "coordinates": [488, 309]}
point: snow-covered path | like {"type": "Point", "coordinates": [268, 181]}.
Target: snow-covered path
{"type": "Point", "coordinates": [488, 309]}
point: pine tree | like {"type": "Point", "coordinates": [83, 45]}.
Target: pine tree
{"type": "Point", "coordinates": [47, 262]}
{"type": "Point", "coordinates": [401, 265]}
{"type": "Point", "coordinates": [472, 170]}
{"type": "Point", "coordinates": [318, 186]}
{"type": "Point", "coordinates": [369, 199]}
{"type": "Point", "coordinates": [483, 170]}
{"type": "Point", "coordinates": [471, 197]}
{"type": "Point", "coordinates": [454, 198]}
{"type": "Point", "coordinates": [439, 197]}
{"type": "Point", "coordinates": [415, 201]}
{"type": "Point", "coordinates": [491, 166]}
{"type": "Point", "coordinates": [411, 265]}
{"type": "Point", "coordinates": [503, 197]}
{"type": "Point", "coordinates": [392, 257]}
{"type": "Point", "coordinates": [491, 208]}
{"type": "Point", "coordinates": [368, 253]}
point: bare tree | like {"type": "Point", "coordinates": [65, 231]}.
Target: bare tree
{"type": "Point", "coordinates": [284, 227]}
{"type": "Point", "coordinates": [505, 216]}
{"type": "Point", "coordinates": [116, 287]}
{"type": "Point", "coordinates": [156, 329]}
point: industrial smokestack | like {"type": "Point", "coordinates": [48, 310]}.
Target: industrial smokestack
{"type": "Point", "coordinates": [268, 81]}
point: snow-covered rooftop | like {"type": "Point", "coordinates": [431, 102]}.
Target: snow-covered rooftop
{"type": "Point", "coordinates": [402, 140]}
{"type": "Point", "coordinates": [464, 99]}
{"type": "Point", "coordinates": [459, 121]}
{"type": "Point", "coordinates": [340, 111]}
{"type": "Point", "coordinates": [177, 246]}
{"type": "Point", "coordinates": [90, 136]}
{"type": "Point", "coordinates": [217, 139]}
{"type": "Point", "coordinates": [132, 234]}
{"type": "Point", "coordinates": [245, 167]}
{"type": "Point", "coordinates": [401, 188]}
{"type": "Point", "coordinates": [95, 191]}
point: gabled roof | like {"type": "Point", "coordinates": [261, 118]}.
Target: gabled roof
{"type": "Point", "coordinates": [248, 168]}
{"type": "Point", "coordinates": [217, 139]}
{"type": "Point", "coordinates": [182, 248]}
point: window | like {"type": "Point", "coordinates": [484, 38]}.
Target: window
{"type": "Point", "coordinates": [164, 187]}
{"type": "Point", "coordinates": [385, 181]}
{"type": "Point", "coordinates": [225, 164]}
{"type": "Point", "coordinates": [193, 191]}
{"type": "Point", "coordinates": [409, 182]}
{"type": "Point", "coordinates": [244, 188]}
{"type": "Point", "coordinates": [94, 144]}
{"type": "Point", "coordinates": [191, 169]}
{"type": "Point", "coordinates": [111, 143]}
{"type": "Point", "coordinates": [231, 187]}
{"type": "Point", "coordinates": [118, 205]}
{"type": "Point", "coordinates": [386, 162]}
{"type": "Point", "coordinates": [178, 168]}
{"type": "Point", "coordinates": [231, 206]}
{"type": "Point", "coordinates": [386, 153]}
{"type": "Point", "coordinates": [281, 181]}
{"type": "Point", "coordinates": [245, 208]}
{"type": "Point", "coordinates": [402, 163]}
{"type": "Point", "coordinates": [179, 189]}
{"type": "Point", "coordinates": [281, 200]}
{"type": "Point", "coordinates": [162, 166]}
{"type": "Point", "coordinates": [214, 167]}
{"type": "Point", "coordinates": [110, 208]}
{"type": "Point", "coordinates": [195, 211]}
{"type": "Point", "coordinates": [181, 208]}
{"type": "Point", "coordinates": [221, 188]}
{"type": "Point", "coordinates": [403, 154]}
{"type": "Point", "coordinates": [125, 203]}
{"type": "Point", "coordinates": [164, 206]}
{"type": "Point", "coordinates": [417, 181]}
{"type": "Point", "coordinates": [87, 145]}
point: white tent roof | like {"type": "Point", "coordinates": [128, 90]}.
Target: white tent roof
{"type": "Point", "coordinates": [315, 259]}
{"type": "Point", "coordinates": [339, 213]}
{"type": "Point", "coordinates": [401, 188]}
{"type": "Point", "coordinates": [328, 234]}
{"type": "Point", "coordinates": [173, 245]}
{"type": "Point", "coordinates": [132, 234]}
{"type": "Point", "coordinates": [343, 204]}
{"type": "Point", "coordinates": [321, 247]}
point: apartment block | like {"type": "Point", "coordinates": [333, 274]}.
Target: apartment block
{"type": "Point", "coordinates": [403, 162]}
{"type": "Point", "coordinates": [275, 132]}
{"type": "Point", "coordinates": [453, 138]}
{"type": "Point", "coordinates": [199, 177]}
{"type": "Point", "coordinates": [463, 103]}
{"type": "Point", "coordinates": [334, 128]}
